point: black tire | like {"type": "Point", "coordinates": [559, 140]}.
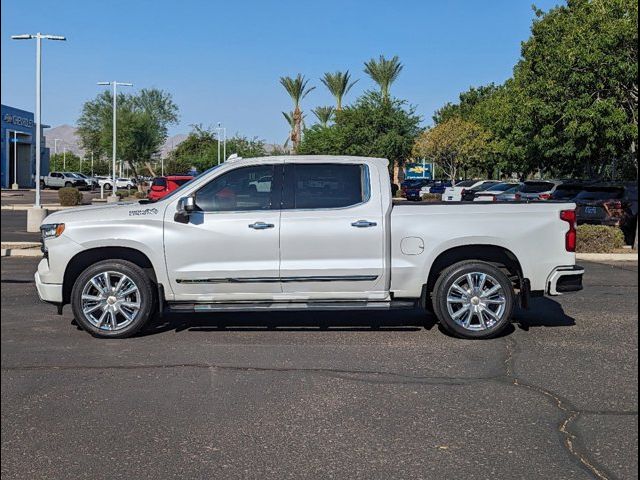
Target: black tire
{"type": "Point", "coordinates": [107, 186]}
{"type": "Point", "coordinates": [442, 311]}
{"type": "Point", "coordinates": [68, 184]}
{"type": "Point", "coordinates": [42, 185]}
{"type": "Point", "coordinates": [146, 298]}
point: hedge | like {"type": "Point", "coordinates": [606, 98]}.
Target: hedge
{"type": "Point", "coordinates": [69, 196]}
{"type": "Point", "coordinates": [431, 197]}
{"type": "Point", "coordinates": [599, 239]}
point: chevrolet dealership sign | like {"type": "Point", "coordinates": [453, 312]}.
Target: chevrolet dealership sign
{"type": "Point", "coordinates": [15, 120]}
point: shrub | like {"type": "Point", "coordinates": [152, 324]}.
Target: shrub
{"type": "Point", "coordinates": [140, 195]}
{"type": "Point", "coordinates": [599, 239]}
{"type": "Point", "coordinates": [431, 197]}
{"type": "Point", "coordinates": [69, 196]}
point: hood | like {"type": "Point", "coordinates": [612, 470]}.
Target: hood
{"type": "Point", "coordinates": [111, 211]}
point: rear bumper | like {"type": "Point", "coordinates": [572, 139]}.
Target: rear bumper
{"type": "Point", "coordinates": [48, 292]}
{"type": "Point", "coordinates": [565, 279]}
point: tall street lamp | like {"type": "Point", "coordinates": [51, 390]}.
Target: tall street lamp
{"type": "Point", "coordinates": [37, 214]}
{"type": "Point", "coordinates": [115, 84]}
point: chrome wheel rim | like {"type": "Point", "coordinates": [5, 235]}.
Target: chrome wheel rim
{"type": "Point", "coordinates": [476, 301]}
{"type": "Point", "coordinates": [110, 301]}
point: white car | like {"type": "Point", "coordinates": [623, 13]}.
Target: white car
{"type": "Point", "coordinates": [325, 235]}
{"type": "Point", "coordinates": [107, 183]}
{"type": "Point", "coordinates": [454, 193]}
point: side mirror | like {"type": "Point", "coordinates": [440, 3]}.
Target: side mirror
{"type": "Point", "coordinates": [186, 206]}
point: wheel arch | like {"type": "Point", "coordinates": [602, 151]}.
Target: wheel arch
{"type": "Point", "coordinates": [499, 256]}
{"type": "Point", "coordinates": [88, 257]}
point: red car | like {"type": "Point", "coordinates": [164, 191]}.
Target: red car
{"type": "Point", "coordinates": [162, 186]}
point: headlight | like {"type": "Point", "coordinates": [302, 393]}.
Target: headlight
{"type": "Point", "coordinates": [51, 230]}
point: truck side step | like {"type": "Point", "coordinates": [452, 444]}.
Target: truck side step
{"type": "Point", "coordinates": [284, 306]}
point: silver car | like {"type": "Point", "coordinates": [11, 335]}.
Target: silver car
{"type": "Point", "coordinates": [536, 190]}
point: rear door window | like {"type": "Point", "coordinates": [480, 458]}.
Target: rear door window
{"type": "Point", "coordinates": [325, 185]}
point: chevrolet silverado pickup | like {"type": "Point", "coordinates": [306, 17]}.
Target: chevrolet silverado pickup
{"type": "Point", "coordinates": [303, 233]}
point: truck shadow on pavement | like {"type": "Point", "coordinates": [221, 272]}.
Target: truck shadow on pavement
{"type": "Point", "coordinates": [544, 312]}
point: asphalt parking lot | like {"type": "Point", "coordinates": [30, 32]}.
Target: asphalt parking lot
{"type": "Point", "coordinates": [300, 395]}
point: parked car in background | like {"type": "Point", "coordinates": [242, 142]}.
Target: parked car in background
{"type": "Point", "coordinates": [437, 187]}
{"type": "Point", "coordinates": [491, 194]}
{"type": "Point", "coordinates": [62, 179]}
{"type": "Point", "coordinates": [468, 194]}
{"type": "Point", "coordinates": [536, 190]}
{"type": "Point", "coordinates": [454, 192]}
{"type": "Point", "coordinates": [413, 183]}
{"type": "Point", "coordinates": [107, 183]}
{"type": "Point", "coordinates": [91, 182]}
{"type": "Point", "coordinates": [604, 204]}
{"type": "Point", "coordinates": [509, 195]}
{"type": "Point", "coordinates": [161, 186]}
{"type": "Point", "coordinates": [568, 191]}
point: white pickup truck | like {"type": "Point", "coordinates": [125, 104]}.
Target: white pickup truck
{"type": "Point", "coordinates": [321, 232]}
{"type": "Point", "coordinates": [62, 179]}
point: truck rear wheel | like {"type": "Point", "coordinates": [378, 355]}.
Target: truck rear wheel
{"type": "Point", "coordinates": [473, 299]}
{"type": "Point", "coordinates": [113, 299]}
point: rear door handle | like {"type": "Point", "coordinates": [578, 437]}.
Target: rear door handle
{"type": "Point", "coordinates": [363, 224]}
{"type": "Point", "coordinates": [261, 225]}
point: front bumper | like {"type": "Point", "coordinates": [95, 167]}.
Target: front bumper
{"type": "Point", "coordinates": [48, 292]}
{"type": "Point", "coordinates": [565, 279]}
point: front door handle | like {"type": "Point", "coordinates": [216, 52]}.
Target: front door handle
{"type": "Point", "coordinates": [363, 224]}
{"type": "Point", "coordinates": [261, 225]}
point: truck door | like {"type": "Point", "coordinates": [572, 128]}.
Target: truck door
{"type": "Point", "coordinates": [332, 239]}
{"type": "Point", "coordinates": [229, 249]}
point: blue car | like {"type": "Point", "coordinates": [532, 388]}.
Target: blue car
{"type": "Point", "coordinates": [439, 186]}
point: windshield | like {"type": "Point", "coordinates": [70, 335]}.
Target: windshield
{"type": "Point", "coordinates": [466, 183]}
{"type": "Point", "coordinates": [601, 193]}
{"type": "Point", "coordinates": [180, 189]}
{"type": "Point", "coordinates": [564, 192]}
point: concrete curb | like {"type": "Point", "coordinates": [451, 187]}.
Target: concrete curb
{"type": "Point", "coordinates": [20, 249]}
{"type": "Point", "coordinates": [607, 257]}
{"type": "Point", "coordinates": [52, 207]}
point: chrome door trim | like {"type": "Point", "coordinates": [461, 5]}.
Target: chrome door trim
{"type": "Point", "coordinates": [345, 278]}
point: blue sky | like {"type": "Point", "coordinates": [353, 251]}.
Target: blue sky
{"type": "Point", "coordinates": [222, 60]}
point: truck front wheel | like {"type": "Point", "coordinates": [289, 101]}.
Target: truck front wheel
{"type": "Point", "coordinates": [473, 299]}
{"type": "Point", "coordinates": [112, 299]}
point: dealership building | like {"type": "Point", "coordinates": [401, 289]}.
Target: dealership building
{"type": "Point", "coordinates": [18, 151]}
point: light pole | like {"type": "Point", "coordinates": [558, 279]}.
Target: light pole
{"type": "Point", "coordinates": [37, 214]}
{"type": "Point", "coordinates": [64, 158]}
{"type": "Point", "coordinates": [222, 133]}
{"type": "Point", "coordinates": [91, 164]}
{"type": "Point", "coordinates": [115, 84]}
{"type": "Point", "coordinates": [55, 147]}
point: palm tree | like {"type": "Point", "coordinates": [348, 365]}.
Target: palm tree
{"type": "Point", "coordinates": [339, 85]}
{"type": "Point", "coordinates": [324, 114]}
{"type": "Point", "coordinates": [384, 72]}
{"type": "Point", "coordinates": [297, 89]}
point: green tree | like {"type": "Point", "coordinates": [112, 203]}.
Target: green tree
{"type": "Point", "coordinates": [373, 126]}
{"type": "Point", "coordinates": [324, 114]}
{"type": "Point", "coordinates": [339, 84]}
{"type": "Point", "coordinates": [453, 145]}
{"type": "Point", "coordinates": [384, 72]}
{"type": "Point", "coordinates": [143, 120]}
{"type": "Point", "coordinates": [298, 89]}
{"type": "Point", "coordinates": [579, 82]}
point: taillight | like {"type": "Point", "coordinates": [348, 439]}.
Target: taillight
{"type": "Point", "coordinates": [569, 216]}
{"type": "Point", "coordinates": [614, 205]}
{"type": "Point", "coordinates": [544, 196]}
{"type": "Point", "coordinates": [518, 197]}
{"type": "Point", "coordinates": [462, 193]}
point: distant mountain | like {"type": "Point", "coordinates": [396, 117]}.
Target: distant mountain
{"type": "Point", "coordinates": [68, 137]}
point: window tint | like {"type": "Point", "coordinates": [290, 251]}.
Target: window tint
{"type": "Point", "coordinates": [466, 183]}
{"type": "Point", "coordinates": [601, 193]}
{"type": "Point", "coordinates": [238, 190]}
{"type": "Point", "coordinates": [159, 182]}
{"type": "Point", "coordinates": [325, 185]}
{"type": "Point", "coordinates": [536, 187]}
